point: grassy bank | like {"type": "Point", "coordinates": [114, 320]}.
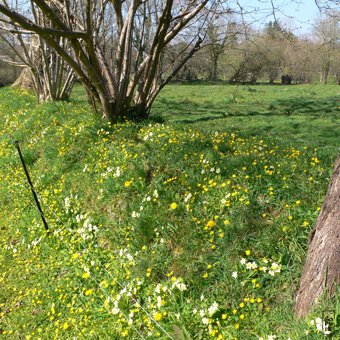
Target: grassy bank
{"type": "Point", "coordinates": [193, 227]}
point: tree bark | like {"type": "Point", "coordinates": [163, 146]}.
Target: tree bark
{"type": "Point", "coordinates": [24, 80]}
{"type": "Point", "coordinates": [322, 268]}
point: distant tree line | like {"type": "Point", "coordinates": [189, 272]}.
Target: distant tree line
{"type": "Point", "coordinates": [125, 51]}
{"type": "Point", "coordinates": [239, 54]}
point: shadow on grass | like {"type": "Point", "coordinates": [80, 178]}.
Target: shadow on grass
{"type": "Point", "coordinates": [307, 106]}
{"type": "Point", "coordinates": [188, 111]}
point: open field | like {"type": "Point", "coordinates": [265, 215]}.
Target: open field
{"type": "Point", "coordinates": [191, 225]}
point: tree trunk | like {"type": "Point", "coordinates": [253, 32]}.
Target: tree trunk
{"type": "Point", "coordinates": [24, 80]}
{"type": "Point", "coordinates": [322, 268]}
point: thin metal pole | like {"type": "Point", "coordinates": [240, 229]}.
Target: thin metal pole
{"type": "Point", "coordinates": [16, 143]}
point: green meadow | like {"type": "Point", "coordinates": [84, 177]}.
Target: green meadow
{"type": "Point", "coordinates": [193, 224]}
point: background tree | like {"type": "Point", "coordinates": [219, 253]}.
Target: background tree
{"type": "Point", "coordinates": [327, 31]}
{"type": "Point", "coordinates": [220, 33]}
{"type": "Point", "coordinates": [8, 72]}
{"type": "Point", "coordinates": [125, 80]}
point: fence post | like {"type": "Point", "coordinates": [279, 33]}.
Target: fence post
{"type": "Point", "coordinates": [16, 143]}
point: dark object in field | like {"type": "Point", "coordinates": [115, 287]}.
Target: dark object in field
{"type": "Point", "coordinates": [322, 268]}
{"type": "Point", "coordinates": [286, 79]}
{"type": "Point", "coordinates": [16, 143]}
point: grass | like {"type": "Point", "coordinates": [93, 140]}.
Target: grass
{"type": "Point", "coordinates": [192, 225]}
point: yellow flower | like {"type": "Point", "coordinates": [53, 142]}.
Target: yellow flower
{"type": "Point", "coordinates": [88, 292]}
{"type": "Point", "coordinates": [104, 284]}
{"type": "Point", "coordinates": [242, 316]}
{"type": "Point", "coordinates": [205, 275]}
{"type": "Point", "coordinates": [241, 305]}
{"type": "Point", "coordinates": [65, 325]}
{"type": "Point", "coordinates": [75, 255]}
{"type": "Point", "coordinates": [158, 316]}
{"type": "Point", "coordinates": [237, 325]}
{"type": "Point", "coordinates": [290, 217]}
{"type": "Point", "coordinates": [86, 275]}
{"type": "Point", "coordinates": [226, 222]}
{"type": "Point", "coordinates": [224, 316]}
{"type": "Point", "coordinates": [127, 183]}
{"type": "Point", "coordinates": [211, 224]}
{"type": "Point", "coordinates": [247, 252]}
{"type": "Point", "coordinates": [173, 205]}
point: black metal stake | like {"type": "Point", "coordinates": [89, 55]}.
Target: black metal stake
{"type": "Point", "coordinates": [16, 143]}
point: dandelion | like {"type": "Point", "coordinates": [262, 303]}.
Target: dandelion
{"type": "Point", "coordinates": [173, 205]}
{"type": "Point", "coordinates": [158, 316]}
{"type": "Point", "coordinates": [211, 224]}
{"type": "Point", "coordinates": [86, 275]}
{"type": "Point", "coordinates": [127, 184]}
{"type": "Point", "coordinates": [75, 255]}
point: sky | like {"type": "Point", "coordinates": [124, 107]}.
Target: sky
{"type": "Point", "coordinates": [297, 15]}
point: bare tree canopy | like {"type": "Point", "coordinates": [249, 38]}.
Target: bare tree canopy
{"type": "Point", "coordinates": [118, 49]}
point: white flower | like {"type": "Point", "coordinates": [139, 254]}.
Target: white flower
{"type": "Point", "coordinates": [234, 275]}
{"type": "Point", "coordinates": [205, 321]}
{"type": "Point", "coordinates": [202, 313]}
{"type": "Point", "coordinates": [115, 311]}
{"type": "Point", "coordinates": [243, 261]}
{"type": "Point", "coordinates": [186, 199]}
{"type": "Point", "coordinates": [181, 286]}
{"type": "Point", "coordinates": [135, 214]}
{"type": "Point", "coordinates": [118, 172]}
{"type": "Point", "coordinates": [321, 326]}
{"type": "Point", "coordinates": [213, 308]}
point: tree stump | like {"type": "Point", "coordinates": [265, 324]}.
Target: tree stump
{"type": "Point", "coordinates": [322, 267]}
